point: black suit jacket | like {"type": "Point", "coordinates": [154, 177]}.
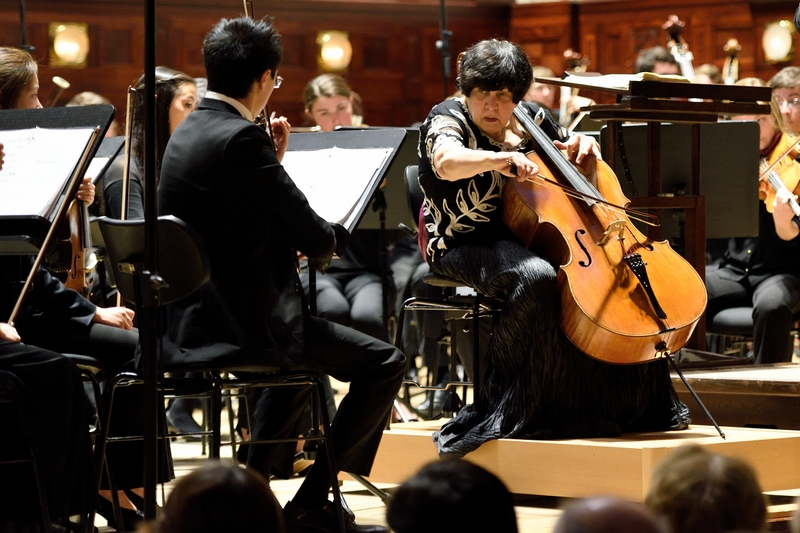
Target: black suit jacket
{"type": "Point", "coordinates": [221, 176]}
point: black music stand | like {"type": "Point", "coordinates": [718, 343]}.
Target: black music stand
{"type": "Point", "coordinates": [24, 235]}
{"type": "Point", "coordinates": [350, 139]}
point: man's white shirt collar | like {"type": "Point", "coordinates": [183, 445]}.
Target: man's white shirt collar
{"type": "Point", "coordinates": [235, 103]}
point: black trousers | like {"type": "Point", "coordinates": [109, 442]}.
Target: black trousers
{"type": "Point", "coordinates": [374, 370]}
{"type": "Point", "coordinates": [49, 403]}
{"type": "Point", "coordinates": [115, 347]}
{"type": "Point", "coordinates": [775, 301]}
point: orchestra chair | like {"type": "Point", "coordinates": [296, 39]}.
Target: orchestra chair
{"type": "Point", "coordinates": [14, 447]}
{"type": "Point", "coordinates": [470, 308]}
{"type": "Point", "coordinates": [734, 329]}
{"type": "Point", "coordinates": [184, 266]}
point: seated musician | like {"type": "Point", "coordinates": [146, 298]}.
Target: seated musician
{"type": "Point", "coordinates": [786, 88]}
{"type": "Point", "coordinates": [176, 98]}
{"type": "Point", "coordinates": [59, 319]}
{"type": "Point", "coordinates": [222, 175]}
{"type": "Point", "coordinates": [537, 384]}
{"type": "Point", "coordinates": [764, 272]}
{"type": "Point", "coordinates": [657, 60]}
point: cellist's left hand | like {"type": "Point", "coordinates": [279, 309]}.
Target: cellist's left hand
{"type": "Point", "coordinates": [86, 191]}
{"type": "Point", "coordinates": [280, 133]}
{"type": "Point", "coordinates": [584, 152]}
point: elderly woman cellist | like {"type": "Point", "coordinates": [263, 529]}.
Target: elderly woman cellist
{"type": "Point", "coordinates": [764, 272]}
{"type": "Point", "coordinates": [536, 383]}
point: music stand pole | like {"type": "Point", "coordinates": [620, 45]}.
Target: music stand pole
{"type": "Point", "coordinates": [148, 312]}
{"type": "Point", "coordinates": [443, 45]}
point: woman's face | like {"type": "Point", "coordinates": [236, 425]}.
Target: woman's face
{"type": "Point", "coordinates": [185, 102]}
{"type": "Point", "coordinates": [491, 110]}
{"type": "Point", "coordinates": [766, 127]}
{"type": "Point", "coordinates": [29, 96]}
{"type": "Point", "coordinates": [331, 111]}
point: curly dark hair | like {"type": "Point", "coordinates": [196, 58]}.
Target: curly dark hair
{"type": "Point", "coordinates": [493, 65]}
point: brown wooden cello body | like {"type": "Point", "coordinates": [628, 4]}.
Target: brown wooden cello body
{"type": "Point", "coordinates": [624, 299]}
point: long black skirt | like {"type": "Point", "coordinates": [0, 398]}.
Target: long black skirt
{"type": "Point", "coordinates": [536, 383]}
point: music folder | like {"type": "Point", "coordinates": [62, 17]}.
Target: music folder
{"type": "Point", "coordinates": [46, 154]}
{"type": "Point", "coordinates": [340, 171]}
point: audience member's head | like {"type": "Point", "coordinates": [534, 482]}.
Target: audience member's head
{"type": "Point", "coordinates": [657, 60]}
{"type": "Point", "coordinates": [452, 495]}
{"type": "Point", "coordinates": [220, 498]}
{"type": "Point", "coordinates": [608, 515]}
{"type": "Point", "coordinates": [697, 491]}
{"type": "Point", "coordinates": [707, 73]}
{"type": "Point", "coordinates": [786, 90]}
{"type": "Point", "coordinates": [541, 93]}
{"type": "Point", "coordinates": [19, 80]}
{"type": "Point", "coordinates": [329, 102]}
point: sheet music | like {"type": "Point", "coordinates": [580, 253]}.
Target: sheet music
{"type": "Point", "coordinates": [334, 179]}
{"type": "Point", "coordinates": [38, 163]}
{"type": "Point", "coordinates": [621, 82]}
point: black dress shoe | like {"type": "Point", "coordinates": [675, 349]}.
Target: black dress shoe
{"type": "Point", "coordinates": [130, 518]}
{"type": "Point", "coordinates": [299, 520]}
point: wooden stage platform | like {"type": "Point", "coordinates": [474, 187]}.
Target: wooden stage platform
{"type": "Point", "coordinates": [586, 467]}
{"type": "Point", "coordinates": [766, 396]}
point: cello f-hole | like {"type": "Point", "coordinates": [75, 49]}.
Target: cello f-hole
{"type": "Point", "coordinates": [578, 234]}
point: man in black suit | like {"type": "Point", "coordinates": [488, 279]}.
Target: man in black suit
{"type": "Point", "coordinates": [221, 175]}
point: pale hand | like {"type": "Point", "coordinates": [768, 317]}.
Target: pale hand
{"type": "Point", "coordinates": [86, 191]}
{"type": "Point", "coordinates": [280, 133]}
{"type": "Point", "coordinates": [8, 333]}
{"type": "Point", "coordinates": [511, 161]}
{"type": "Point", "coordinates": [118, 317]}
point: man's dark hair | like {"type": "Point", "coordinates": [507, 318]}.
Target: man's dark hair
{"type": "Point", "coordinates": [647, 58]}
{"type": "Point", "coordinates": [494, 65]}
{"type": "Point", "coordinates": [237, 52]}
{"type": "Point", "coordinates": [452, 495]}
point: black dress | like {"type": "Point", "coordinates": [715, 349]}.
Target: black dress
{"type": "Point", "coordinates": [536, 383]}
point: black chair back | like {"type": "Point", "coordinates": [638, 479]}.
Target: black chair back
{"type": "Point", "coordinates": [414, 193]}
{"type": "Point", "coordinates": [182, 257]}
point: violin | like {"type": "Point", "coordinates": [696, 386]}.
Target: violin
{"type": "Point", "coordinates": [624, 298]}
{"type": "Point", "coordinates": [780, 172]}
{"type": "Point", "coordinates": [75, 249]}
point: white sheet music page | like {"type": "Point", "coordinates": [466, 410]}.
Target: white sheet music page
{"type": "Point", "coordinates": [38, 163]}
{"type": "Point", "coordinates": [334, 179]}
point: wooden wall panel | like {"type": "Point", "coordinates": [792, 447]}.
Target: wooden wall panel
{"type": "Point", "coordinates": [611, 33]}
{"type": "Point", "coordinates": [396, 67]}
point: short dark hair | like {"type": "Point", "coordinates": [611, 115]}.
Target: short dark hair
{"type": "Point", "coordinates": [493, 65]}
{"type": "Point", "coordinates": [452, 495]}
{"type": "Point", "coordinates": [221, 497]}
{"type": "Point", "coordinates": [647, 58]}
{"type": "Point", "coordinates": [237, 52]}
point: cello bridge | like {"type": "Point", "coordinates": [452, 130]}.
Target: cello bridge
{"type": "Point", "coordinates": [618, 227]}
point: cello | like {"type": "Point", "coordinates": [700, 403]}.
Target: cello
{"type": "Point", "coordinates": [624, 298]}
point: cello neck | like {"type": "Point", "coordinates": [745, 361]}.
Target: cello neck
{"type": "Point", "coordinates": [553, 157]}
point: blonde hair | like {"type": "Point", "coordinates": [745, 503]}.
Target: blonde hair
{"type": "Point", "coordinates": [17, 69]}
{"type": "Point", "coordinates": [325, 85]}
{"type": "Point", "coordinates": [775, 109]}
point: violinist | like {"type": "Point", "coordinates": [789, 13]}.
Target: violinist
{"type": "Point", "coordinates": [61, 320]}
{"type": "Point", "coordinates": [537, 384]}
{"type": "Point", "coordinates": [176, 98]}
{"type": "Point", "coordinates": [222, 175]}
{"type": "Point", "coordinates": [764, 272]}
{"type": "Point", "coordinates": [786, 90]}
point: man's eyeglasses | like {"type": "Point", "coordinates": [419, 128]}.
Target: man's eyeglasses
{"type": "Point", "coordinates": [791, 103]}
{"type": "Point", "coordinates": [278, 81]}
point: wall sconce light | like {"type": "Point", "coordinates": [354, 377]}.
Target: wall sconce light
{"type": "Point", "coordinates": [69, 44]}
{"type": "Point", "coordinates": [778, 41]}
{"type": "Point", "coordinates": [334, 50]}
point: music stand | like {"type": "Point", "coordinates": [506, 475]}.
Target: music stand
{"type": "Point", "coordinates": [24, 235]}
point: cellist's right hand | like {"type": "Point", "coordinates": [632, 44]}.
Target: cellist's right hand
{"type": "Point", "coordinates": [515, 164]}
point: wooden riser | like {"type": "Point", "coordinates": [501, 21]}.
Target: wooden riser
{"type": "Point", "coordinates": [587, 467]}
